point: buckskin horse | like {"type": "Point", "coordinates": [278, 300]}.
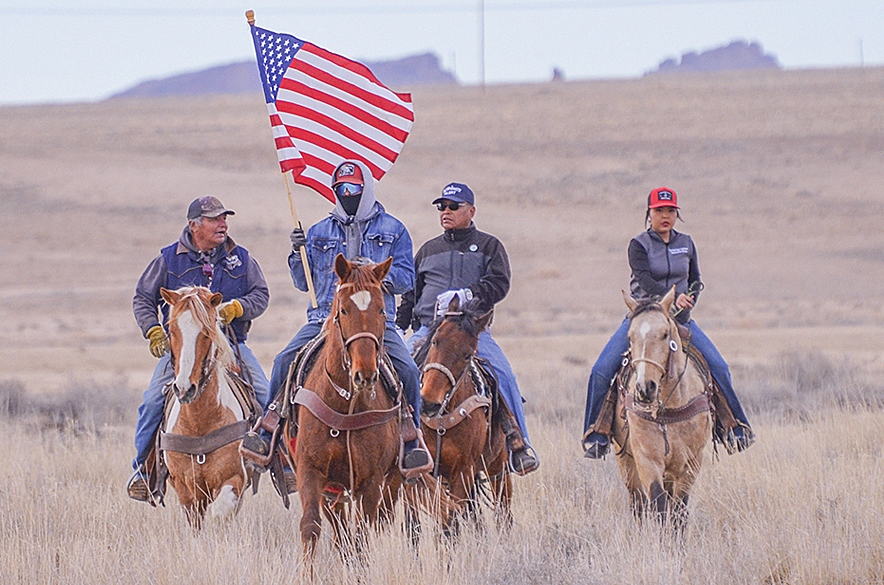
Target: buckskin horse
{"type": "Point", "coordinates": [202, 432]}
{"type": "Point", "coordinates": [665, 416]}
{"type": "Point", "coordinates": [464, 435]}
{"type": "Point", "coordinates": [347, 437]}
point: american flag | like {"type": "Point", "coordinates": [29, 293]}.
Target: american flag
{"type": "Point", "coordinates": [325, 109]}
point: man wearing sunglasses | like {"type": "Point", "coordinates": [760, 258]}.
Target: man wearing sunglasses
{"type": "Point", "coordinates": [360, 229]}
{"type": "Point", "coordinates": [473, 266]}
{"type": "Point", "coordinates": [204, 255]}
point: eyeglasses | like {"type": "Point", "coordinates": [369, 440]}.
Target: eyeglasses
{"type": "Point", "coordinates": [347, 189]}
{"type": "Point", "coordinates": [452, 205]}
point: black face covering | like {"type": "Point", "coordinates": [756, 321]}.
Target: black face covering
{"type": "Point", "coordinates": [350, 203]}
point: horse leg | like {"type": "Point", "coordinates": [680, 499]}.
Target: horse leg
{"type": "Point", "coordinates": [502, 484]}
{"type": "Point", "coordinates": [310, 488]}
{"type": "Point", "coordinates": [227, 498]}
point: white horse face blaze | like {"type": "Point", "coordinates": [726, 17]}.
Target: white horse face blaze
{"type": "Point", "coordinates": [361, 299]}
{"type": "Point", "coordinates": [189, 330]}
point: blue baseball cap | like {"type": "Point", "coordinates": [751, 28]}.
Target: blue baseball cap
{"type": "Point", "coordinates": [456, 192]}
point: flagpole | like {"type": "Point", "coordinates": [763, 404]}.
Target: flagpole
{"type": "Point", "coordinates": [250, 17]}
{"type": "Point", "coordinates": [303, 249]}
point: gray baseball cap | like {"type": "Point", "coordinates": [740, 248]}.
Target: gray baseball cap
{"type": "Point", "coordinates": [207, 206]}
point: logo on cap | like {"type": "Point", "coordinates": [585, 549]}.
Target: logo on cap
{"type": "Point", "coordinates": [664, 195]}
{"type": "Point", "coordinates": [346, 170]}
{"type": "Point", "coordinates": [451, 190]}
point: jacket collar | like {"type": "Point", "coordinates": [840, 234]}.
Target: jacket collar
{"type": "Point", "coordinates": [459, 234]}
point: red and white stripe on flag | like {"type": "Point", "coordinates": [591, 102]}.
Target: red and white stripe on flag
{"type": "Point", "coordinates": [328, 109]}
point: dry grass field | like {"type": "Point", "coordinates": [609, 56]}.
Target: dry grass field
{"type": "Point", "coordinates": [780, 179]}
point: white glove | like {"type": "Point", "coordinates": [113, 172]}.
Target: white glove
{"type": "Point", "coordinates": [443, 300]}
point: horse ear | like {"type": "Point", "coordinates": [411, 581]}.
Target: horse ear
{"type": "Point", "coordinates": [342, 267]}
{"type": "Point", "coordinates": [170, 296]}
{"type": "Point", "coordinates": [666, 302]}
{"type": "Point", "coordinates": [216, 299]}
{"type": "Point", "coordinates": [483, 321]}
{"type": "Point", "coordinates": [454, 304]}
{"type": "Point", "coordinates": [630, 302]}
{"type": "Point", "coordinates": [381, 270]}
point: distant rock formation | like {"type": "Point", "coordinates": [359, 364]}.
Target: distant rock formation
{"type": "Point", "coordinates": [735, 56]}
{"type": "Point", "coordinates": [238, 78]}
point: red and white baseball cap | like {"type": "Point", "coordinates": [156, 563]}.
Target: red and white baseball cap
{"type": "Point", "coordinates": [348, 172]}
{"type": "Point", "coordinates": [662, 197]}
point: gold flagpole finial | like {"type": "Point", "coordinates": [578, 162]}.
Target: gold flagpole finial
{"type": "Point", "coordinates": [250, 16]}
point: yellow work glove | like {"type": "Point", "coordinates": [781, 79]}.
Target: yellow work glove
{"type": "Point", "coordinates": [158, 343]}
{"type": "Point", "coordinates": [229, 311]}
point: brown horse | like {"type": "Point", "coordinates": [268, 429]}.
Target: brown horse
{"type": "Point", "coordinates": [202, 432]}
{"type": "Point", "coordinates": [668, 421]}
{"type": "Point", "coordinates": [463, 435]}
{"type": "Point", "coordinates": [334, 452]}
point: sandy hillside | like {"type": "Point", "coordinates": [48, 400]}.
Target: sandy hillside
{"type": "Point", "coordinates": [779, 174]}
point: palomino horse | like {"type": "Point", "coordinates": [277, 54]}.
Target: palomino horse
{"type": "Point", "coordinates": [348, 425]}
{"type": "Point", "coordinates": [463, 436]}
{"type": "Point", "coordinates": [668, 419]}
{"type": "Point", "coordinates": [206, 422]}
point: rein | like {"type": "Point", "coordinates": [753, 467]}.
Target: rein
{"type": "Point", "coordinates": [443, 420]}
{"type": "Point", "coordinates": [659, 413]}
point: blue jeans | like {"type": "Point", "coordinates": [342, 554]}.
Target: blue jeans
{"type": "Point", "coordinates": [608, 363]}
{"type": "Point", "coordinates": [150, 413]}
{"type": "Point", "coordinates": [506, 379]}
{"type": "Point", "coordinates": [393, 344]}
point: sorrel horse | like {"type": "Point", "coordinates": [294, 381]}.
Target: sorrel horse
{"type": "Point", "coordinates": [668, 417]}
{"type": "Point", "coordinates": [462, 433]}
{"type": "Point", "coordinates": [348, 425]}
{"type": "Point", "coordinates": [202, 433]}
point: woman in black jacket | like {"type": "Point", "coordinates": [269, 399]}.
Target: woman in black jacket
{"type": "Point", "coordinates": [661, 258]}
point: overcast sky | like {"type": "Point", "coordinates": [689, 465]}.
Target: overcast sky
{"type": "Point", "coordinates": [86, 50]}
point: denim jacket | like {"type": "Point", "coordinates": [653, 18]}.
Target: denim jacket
{"type": "Point", "coordinates": [383, 236]}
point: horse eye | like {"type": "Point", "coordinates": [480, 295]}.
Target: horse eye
{"type": "Point", "coordinates": [666, 335]}
{"type": "Point", "coordinates": [343, 311]}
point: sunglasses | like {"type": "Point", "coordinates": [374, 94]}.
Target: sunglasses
{"type": "Point", "coordinates": [347, 189]}
{"type": "Point", "coordinates": [453, 206]}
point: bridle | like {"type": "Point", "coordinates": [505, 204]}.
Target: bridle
{"type": "Point", "coordinates": [665, 369]}
{"type": "Point", "coordinates": [346, 360]}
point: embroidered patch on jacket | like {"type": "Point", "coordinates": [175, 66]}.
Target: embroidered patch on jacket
{"type": "Point", "coordinates": [232, 262]}
{"type": "Point", "coordinates": [674, 251]}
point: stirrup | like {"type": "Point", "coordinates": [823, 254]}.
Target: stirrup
{"type": "Point", "coordinates": [524, 461]}
{"type": "Point", "coordinates": [596, 447]}
{"type": "Point", "coordinates": [416, 458]}
{"type": "Point", "coordinates": [137, 488]}
{"type": "Point", "coordinates": [255, 451]}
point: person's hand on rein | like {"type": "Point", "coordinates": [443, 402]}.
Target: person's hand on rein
{"type": "Point", "coordinates": [684, 302]}
{"type": "Point", "coordinates": [229, 311]}
{"type": "Point", "coordinates": [444, 299]}
{"type": "Point", "coordinates": [158, 343]}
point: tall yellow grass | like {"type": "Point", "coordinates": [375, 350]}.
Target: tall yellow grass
{"type": "Point", "coordinates": [801, 506]}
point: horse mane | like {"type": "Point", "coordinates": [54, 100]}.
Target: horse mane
{"type": "Point", "coordinates": [646, 306]}
{"type": "Point", "coordinates": [192, 300]}
{"type": "Point", "coordinates": [465, 318]}
{"type": "Point", "coordinates": [362, 277]}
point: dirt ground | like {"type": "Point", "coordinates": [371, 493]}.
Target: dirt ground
{"type": "Point", "coordinates": [779, 176]}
